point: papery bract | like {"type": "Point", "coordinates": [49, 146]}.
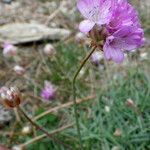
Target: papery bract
{"type": "Point", "coordinates": [19, 70]}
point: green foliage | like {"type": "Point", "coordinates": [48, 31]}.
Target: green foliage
{"type": "Point", "coordinates": [113, 86]}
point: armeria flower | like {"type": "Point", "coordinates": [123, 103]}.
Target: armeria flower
{"type": "Point", "coordinates": [10, 97]}
{"type": "Point", "coordinates": [119, 31]}
{"type": "Point", "coordinates": [9, 50]}
{"type": "Point", "coordinates": [95, 12]}
{"type": "Point", "coordinates": [48, 92]}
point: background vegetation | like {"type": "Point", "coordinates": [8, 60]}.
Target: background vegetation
{"type": "Point", "coordinates": [107, 121]}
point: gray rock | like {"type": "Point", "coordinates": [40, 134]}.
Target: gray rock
{"type": "Point", "coordinates": [18, 33]}
{"type": "Point", "coordinates": [7, 1]}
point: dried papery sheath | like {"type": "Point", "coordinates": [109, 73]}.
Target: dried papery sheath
{"type": "Point", "coordinates": [49, 50]}
{"type": "Point", "coordinates": [10, 97]}
{"type": "Point", "coordinates": [19, 70]}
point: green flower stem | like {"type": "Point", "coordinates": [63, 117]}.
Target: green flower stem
{"type": "Point", "coordinates": [41, 129]}
{"type": "Point", "coordinates": [74, 95]}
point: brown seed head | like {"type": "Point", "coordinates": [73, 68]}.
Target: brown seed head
{"type": "Point", "coordinates": [10, 97]}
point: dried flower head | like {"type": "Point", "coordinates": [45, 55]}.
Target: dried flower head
{"type": "Point", "coordinates": [117, 132]}
{"type": "Point", "coordinates": [10, 97]}
{"type": "Point", "coordinates": [19, 70]}
{"type": "Point", "coordinates": [26, 130]}
{"type": "Point", "coordinates": [129, 102]}
{"type": "Point", "coordinates": [107, 109]}
{"type": "Point", "coordinates": [16, 147]}
{"type": "Point", "coordinates": [49, 49]}
{"type": "Point", "coordinates": [9, 50]}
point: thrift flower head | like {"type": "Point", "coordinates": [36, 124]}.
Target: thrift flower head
{"type": "Point", "coordinates": [114, 24]}
{"type": "Point", "coordinates": [19, 70]}
{"type": "Point", "coordinates": [49, 49]}
{"type": "Point", "coordinates": [10, 97]}
{"type": "Point", "coordinates": [48, 92]}
{"type": "Point", "coordinates": [9, 50]}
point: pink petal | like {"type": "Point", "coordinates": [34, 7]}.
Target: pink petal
{"type": "Point", "coordinates": [114, 54]}
{"type": "Point", "coordinates": [128, 38]}
{"type": "Point", "coordinates": [86, 25]}
{"type": "Point", "coordinates": [106, 11]}
{"type": "Point", "coordinates": [117, 56]}
{"type": "Point", "coordinates": [98, 11]}
{"type": "Point", "coordinates": [85, 6]}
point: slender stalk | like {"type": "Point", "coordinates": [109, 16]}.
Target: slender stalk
{"type": "Point", "coordinates": [74, 95]}
{"type": "Point", "coordinates": [41, 129]}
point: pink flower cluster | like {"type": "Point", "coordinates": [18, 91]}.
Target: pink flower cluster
{"type": "Point", "coordinates": [48, 92]}
{"type": "Point", "coordinates": [117, 20]}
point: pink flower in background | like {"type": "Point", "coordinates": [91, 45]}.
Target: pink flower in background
{"type": "Point", "coordinates": [95, 12]}
{"type": "Point", "coordinates": [9, 50]}
{"type": "Point", "coordinates": [48, 92]}
{"type": "Point", "coordinates": [118, 19]}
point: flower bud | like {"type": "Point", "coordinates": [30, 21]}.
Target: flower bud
{"type": "Point", "coordinates": [19, 70]}
{"type": "Point", "coordinates": [10, 97]}
{"type": "Point", "coordinates": [117, 132]}
{"type": "Point", "coordinates": [129, 103]}
{"type": "Point", "coordinates": [26, 130]}
{"type": "Point", "coordinates": [115, 148]}
{"type": "Point", "coordinates": [9, 50]}
{"type": "Point", "coordinates": [49, 49]}
{"type": "Point", "coordinates": [107, 109]}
